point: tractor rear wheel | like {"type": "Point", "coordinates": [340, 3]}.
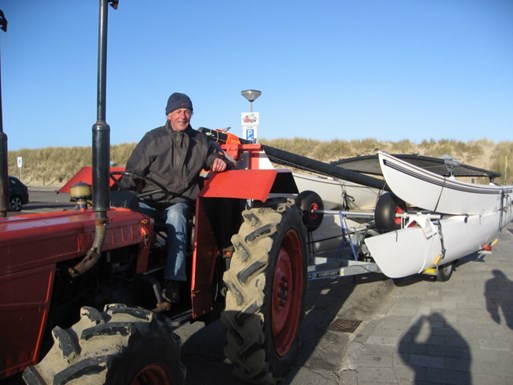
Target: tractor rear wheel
{"type": "Point", "coordinates": [266, 284]}
{"type": "Point", "coordinates": [120, 346]}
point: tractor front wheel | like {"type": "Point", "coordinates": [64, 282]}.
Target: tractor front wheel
{"type": "Point", "coordinates": [266, 285]}
{"type": "Point", "coordinates": [120, 346]}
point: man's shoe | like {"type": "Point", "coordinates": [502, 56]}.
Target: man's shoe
{"type": "Point", "coordinates": [171, 292]}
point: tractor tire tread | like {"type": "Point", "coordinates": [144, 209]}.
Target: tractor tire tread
{"type": "Point", "coordinates": [97, 348]}
{"type": "Point", "coordinates": [245, 280]}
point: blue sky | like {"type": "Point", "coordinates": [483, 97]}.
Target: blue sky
{"type": "Point", "coordinates": [327, 69]}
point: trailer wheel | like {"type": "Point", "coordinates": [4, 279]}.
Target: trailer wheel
{"type": "Point", "coordinates": [445, 272]}
{"type": "Point", "coordinates": [266, 285]}
{"type": "Point", "coordinates": [120, 346]}
{"type": "Point", "coordinates": [385, 213]}
{"type": "Point", "coordinates": [309, 201]}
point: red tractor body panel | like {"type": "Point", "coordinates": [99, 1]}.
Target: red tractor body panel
{"type": "Point", "coordinates": [24, 306]}
{"type": "Point", "coordinates": [249, 184]}
{"type": "Point", "coordinates": [30, 247]}
{"type": "Point", "coordinates": [203, 263]}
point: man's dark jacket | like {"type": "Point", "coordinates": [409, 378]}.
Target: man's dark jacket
{"type": "Point", "coordinates": [174, 159]}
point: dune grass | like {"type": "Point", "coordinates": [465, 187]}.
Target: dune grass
{"type": "Point", "coordinates": [53, 166]}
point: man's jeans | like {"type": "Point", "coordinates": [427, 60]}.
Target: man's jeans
{"type": "Point", "coordinates": [175, 217]}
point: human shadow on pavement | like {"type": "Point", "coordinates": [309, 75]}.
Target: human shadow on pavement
{"type": "Point", "coordinates": [498, 296]}
{"type": "Point", "coordinates": [436, 352]}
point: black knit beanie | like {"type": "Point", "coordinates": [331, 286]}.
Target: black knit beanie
{"type": "Point", "coordinates": [176, 101]}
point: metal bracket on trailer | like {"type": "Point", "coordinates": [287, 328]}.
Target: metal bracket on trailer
{"type": "Point", "coordinates": [330, 267]}
{"type": "Point", "coordinates": [343, 268]}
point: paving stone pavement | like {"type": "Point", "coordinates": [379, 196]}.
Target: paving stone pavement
{"type": "Point", "coordinates": [454, 332]}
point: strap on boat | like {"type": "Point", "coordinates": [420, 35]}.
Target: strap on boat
{"type": "Point", "coordinates": [439, 225]}
{"type": "Point", "coordinates": [439, 196]}
{"type": "Point", "coordinates": [345, 233]}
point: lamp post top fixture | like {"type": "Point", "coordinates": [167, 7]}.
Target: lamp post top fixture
{"type": "Point", "coordinates": [251, 95]}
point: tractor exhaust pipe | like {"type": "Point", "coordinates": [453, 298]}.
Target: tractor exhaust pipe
{"type": "Point", "coordinates": [101, 152]}
{"type": "Point", "coordinates": [101, 130]}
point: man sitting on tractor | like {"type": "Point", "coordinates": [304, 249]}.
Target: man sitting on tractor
{"type": "Point", "coordinates": [173, 155]}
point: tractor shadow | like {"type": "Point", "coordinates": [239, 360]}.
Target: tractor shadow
{"type": "Point", "coordinates": [334, 309]}
{"type": "Point", "coordinates": [203, 356]}
{"type": "Point", "coordinates": [322, 347]}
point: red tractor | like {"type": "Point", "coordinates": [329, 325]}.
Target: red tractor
{"type": "Point", "coordinates": [248, 265]}
{"type": "Point", "coordinates": [80, 287]}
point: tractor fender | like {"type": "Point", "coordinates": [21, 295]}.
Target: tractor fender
{"type": "Point", "coordinates": [249, 184]}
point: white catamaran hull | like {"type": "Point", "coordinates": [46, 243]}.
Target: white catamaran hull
{"type": "Point", "coordinates": [426, 244]}
{"type": "Point", "coordinates": [433, 192]}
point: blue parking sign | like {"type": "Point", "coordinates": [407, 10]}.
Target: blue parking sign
{"type": "Point", "coordinates": [250, 134]}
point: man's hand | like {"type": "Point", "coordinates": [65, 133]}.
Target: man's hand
{"type": "Point", "coordinates": [218, 165]}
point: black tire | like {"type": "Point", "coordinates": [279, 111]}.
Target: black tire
{"type": "Point", "coordinates": [385, 213]}
{"type": "Point", "coordinates": [445, 272]}
{"type": "Point", "coordinates": [309, 201]}
{"type": "Point", "coordinates": [266, 285]}
{"type": "Point", "coordinates": [120, 346]}
{"type": "Point", "coordinates": [15, 203]}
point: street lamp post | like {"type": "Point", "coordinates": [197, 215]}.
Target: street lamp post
{"type": "Point", "coordinates": [4, 160]}
{"type": "Point", "coordinates": [251, 95]}
{"type": "Point", "coordinates": [250, 120]}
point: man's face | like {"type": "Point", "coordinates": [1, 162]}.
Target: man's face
{"type": "Point", "coordinates": [179, 119]}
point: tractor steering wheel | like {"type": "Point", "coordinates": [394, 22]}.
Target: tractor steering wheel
{"type": "Point", "coordinates": [140, 196]}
